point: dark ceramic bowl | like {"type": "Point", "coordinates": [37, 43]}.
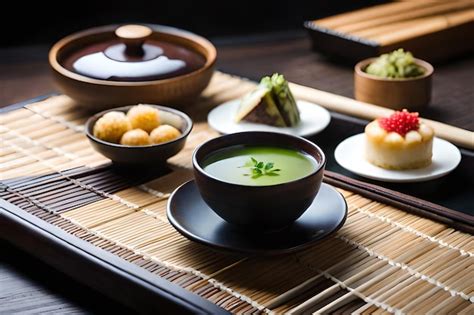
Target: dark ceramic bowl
{"type": "Point", "coordinates": [149, 155]}
{"type": "Point", "coordinates": [259, 207]}
{"type": "Point", "coordinates": [99, 94]}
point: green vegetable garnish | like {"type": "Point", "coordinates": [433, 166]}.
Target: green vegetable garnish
{"type": "Point", "coordinates": [259, 168]}
{"type": "Point", "coordinates": [395, 65]}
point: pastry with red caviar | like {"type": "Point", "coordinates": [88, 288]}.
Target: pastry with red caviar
{"type": "Point", "coordinates": [399, 142]}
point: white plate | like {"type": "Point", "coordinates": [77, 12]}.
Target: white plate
{"type": "Point", "coordinates": [350, 155]}
{"type": "Point", "coordinates": [314, 119]}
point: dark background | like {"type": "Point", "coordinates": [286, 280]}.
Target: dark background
{"type": "Point", "coordinates": [44, 22]}
{"type": "Point", "coordinates": [29, 28]}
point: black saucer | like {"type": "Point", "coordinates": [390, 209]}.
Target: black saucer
{"type": "Point", "coordinates": [193, 218]}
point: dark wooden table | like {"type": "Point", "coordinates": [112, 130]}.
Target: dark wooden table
{"type": "Point", "coordinates": [29, 286]}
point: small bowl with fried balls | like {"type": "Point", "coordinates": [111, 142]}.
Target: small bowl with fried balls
{"type": "Point", "coordinates": [139, 135]}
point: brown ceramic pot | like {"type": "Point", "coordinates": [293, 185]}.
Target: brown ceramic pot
{"type": "Point", "coordinates": [97, 94]}
{"type": "Point", "coordinates": [259, 207]}
{"type": "Point", "coordinates": [411, 93]}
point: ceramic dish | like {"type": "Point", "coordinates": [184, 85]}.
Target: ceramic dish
{"type": "Point", "coordinates": [193, 218]}
{"type": "Point", "coordinates": [154, 155]}
{"type": "Point", "coordinates": [97, 94]}
{"type": "Point", "coordinates": [262, 207]}
{"type": "Point", "coordinates": [411, 93]}
{"type": "Point", "coordinates": [314, 119]}
{"type": "Point", "coordinates": [350, 155]}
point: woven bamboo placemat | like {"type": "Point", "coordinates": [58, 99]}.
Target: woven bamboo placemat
{"type": "Point", "coordinates": [383, 259]}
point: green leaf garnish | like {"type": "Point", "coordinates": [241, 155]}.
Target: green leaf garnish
{"type": "Point", "coordinates": [260, 168]}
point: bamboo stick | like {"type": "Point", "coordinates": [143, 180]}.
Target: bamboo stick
{"type": "Point", "coordinates": [367, 13]}
{"type": "Point", "coordinates": [363, 308]}
{"type": "Point", "coordinates": [387, 28]}
{"type": "Point", "coordinates": [348, 106]}
{"type": "Point", "coordinates": [337, 303]}
{"type": "Point", "coordinates": [431, 25]}
{"type": "Point", "coordinates": [435, 9]}
{"type": "Point", "coordinates": [315, 299]}
{"type": "Point", "coordinates": [292, 293]}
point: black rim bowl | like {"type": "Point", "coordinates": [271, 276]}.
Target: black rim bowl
{"type": "Point", "coordinates": [259, 207]}
{"type": "Point", "coordinates": [154, 155]}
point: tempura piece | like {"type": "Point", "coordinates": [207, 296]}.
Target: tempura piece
{"type": "Point", "coordinates": [144, 117]}
{"type": "Point", "coordinates": [164, 133]}
{"type": "Point", "coordinates": [135, 137]}
{"type": "Point", "coordinates": [112, 126]}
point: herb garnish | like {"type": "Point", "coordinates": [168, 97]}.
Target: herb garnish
{"type": "Point", "coordinates": [259, 168]}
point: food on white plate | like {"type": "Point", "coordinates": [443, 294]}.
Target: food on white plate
{"type": "Point", "coordinates": [270, 103]}
{"type": "Point", "coordinates": [399, 142]}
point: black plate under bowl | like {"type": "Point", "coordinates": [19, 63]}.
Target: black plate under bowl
{"type": "Point", "coordinates": [193, 218]}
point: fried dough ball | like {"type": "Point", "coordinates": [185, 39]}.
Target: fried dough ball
{"type": "Point", "coordinates": [135, 137]}
{"type": "Point", "coordinates": [144, 117]}
{"type": "Point", "coordinates": [111, 126]}
{"type": "Point", "coordinates": [164, 133]}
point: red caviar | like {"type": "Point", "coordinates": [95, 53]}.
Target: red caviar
{"type": "Point", "coordinates": [400, 122]}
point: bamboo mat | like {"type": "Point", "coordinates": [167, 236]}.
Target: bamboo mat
{"type": "Point", "coordinates": [384, 260]}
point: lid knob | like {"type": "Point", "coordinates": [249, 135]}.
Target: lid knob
{"type": "Point", "coordinates": [133, 36]}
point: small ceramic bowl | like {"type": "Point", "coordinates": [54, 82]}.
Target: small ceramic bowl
{"type": "Point", "coordinates": [410, 93]}
{"type": "Point", "coordinates": [98, 94]}
{"type": "Point", "coordinates": [259, 207]}
{"type": "Point", "coordinates": [154, 155]}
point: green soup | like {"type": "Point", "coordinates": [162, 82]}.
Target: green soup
{"type": "Point", "coordinates": [259, 166]}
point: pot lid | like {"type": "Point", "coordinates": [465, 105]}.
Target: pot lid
{"type": "Point", "coordinates": [135, 53]}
